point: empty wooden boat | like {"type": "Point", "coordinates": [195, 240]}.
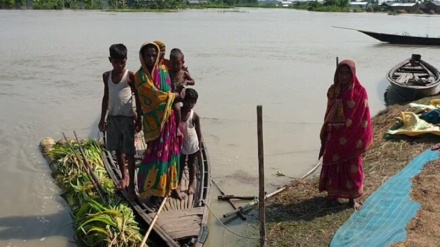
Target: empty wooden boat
{"type": "Point", "coordinates": [414, 78]}
{"type": "Point", "coordinates": [398, 39]}
{"type": "Point", "coordinates": [181, 222]}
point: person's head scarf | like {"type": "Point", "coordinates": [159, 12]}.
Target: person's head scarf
{"type": "Point", "coordinates": [160, 44]}
{"type": "Point", "coordinates": [337, 87]}
{"type": "Point", "coordinates": [148, 73]}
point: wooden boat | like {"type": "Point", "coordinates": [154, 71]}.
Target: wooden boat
{"type": "Point", "coordinates": [181, 223]}
{"type": "Point", "coordinates": [399, 39]}
{"type": "Point", "coordinates": [414, 78]}
{"type": "Point", "coordinates": [402, 39]}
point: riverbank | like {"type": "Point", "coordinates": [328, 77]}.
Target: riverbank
{"type": "Point", "coordinates": [300, 217]}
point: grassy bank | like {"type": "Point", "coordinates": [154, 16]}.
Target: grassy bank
{"type": "Point", "coordinates": [300, 217]}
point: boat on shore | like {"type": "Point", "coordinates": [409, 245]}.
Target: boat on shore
{"type": "Point", "coordinates": [414, 78]}
{"type": "Point", "coordinates": [399, 39]}
{"type": "Point", "coordinates": [181, 222]}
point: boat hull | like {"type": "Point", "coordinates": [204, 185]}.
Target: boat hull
{"type": "Point", "coordinates": [402, 39]}
{"type": "Point", "coordinates": [412, 92]}
{"type": "Point", "coordinates": [181, 222]}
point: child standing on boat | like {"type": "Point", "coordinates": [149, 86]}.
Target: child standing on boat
{"type": "Point", "coordinates": [122, 121]}
{"type": "Point", "coordinates": [180, 78]}
{"type": "Point", "coordinates": [192, 141]}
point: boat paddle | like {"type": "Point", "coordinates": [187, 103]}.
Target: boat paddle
{"type": "Point", "coordinates": [239, 213]}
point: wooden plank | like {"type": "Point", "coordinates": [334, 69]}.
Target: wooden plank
{"type": "Point", "coordinates": [190, 201]}
{"type": "Point", "coordinates": [167, 205]}
{"type": "Point", "coordinates": [177, 204]}
{"type": "Point", "coordinates": [173, 204]}
{"type": "Point", "coordinates": [183, 202]}
{"type": "Point", "coordinates": [415, 74]}
{"type": "Point", "coordinates": [181, 213]}
{"type": "Point", "coordinates": [185, 233]}
{"type": "Point", "coordinates": [159, 230]}
{"type": "Point", "coordinates": [183, 228]}
{"type": "Point", "coordinates": [180, 221]}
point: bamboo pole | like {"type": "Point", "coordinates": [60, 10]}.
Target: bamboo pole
{"type": "Point", "coordinates": [261, 196]}
{"type": "Point", "coordinates": [153, 222]}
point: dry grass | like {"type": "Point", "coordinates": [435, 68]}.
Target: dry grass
{"type": "Point", "coordinates": [424, 229]}
{"type": "Point", "coordinates": [300, 217]}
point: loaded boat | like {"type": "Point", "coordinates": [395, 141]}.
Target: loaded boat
{"type": "Point", "coordinates": [181, 222]}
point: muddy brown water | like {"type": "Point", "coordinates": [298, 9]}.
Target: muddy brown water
{"type": "Point", "coordinates": [50, 82]}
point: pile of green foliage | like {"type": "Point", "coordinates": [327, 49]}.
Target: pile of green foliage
{"type": "Point", "coordinates": [100, 220]}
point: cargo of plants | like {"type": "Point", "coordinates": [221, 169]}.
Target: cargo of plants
{"type": "Point", "coordinates": [101, 216]}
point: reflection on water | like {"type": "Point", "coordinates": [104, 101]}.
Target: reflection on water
{"type": "Point", "coordinates": [393, 97]}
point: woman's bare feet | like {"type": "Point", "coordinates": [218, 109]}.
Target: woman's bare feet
{"type": "Point", "coordinates": [123, 183]}
{"type": "Point", "coordinates": [354, 204]}
{"type": "Point", "coordinates": [131, 194]}
{"type": "Point", "coordinates": [177, 194]}
{"type": "Point", "coordinates": [155, 202]}
{"type": "Point", "coordinates": [191, 190]}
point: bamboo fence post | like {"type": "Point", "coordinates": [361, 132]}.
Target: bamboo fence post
{"type": "Point", "coordinates": [261, 197]}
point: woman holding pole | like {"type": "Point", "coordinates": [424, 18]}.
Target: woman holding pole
{"type": "Point", "coordinates": [345, 135]}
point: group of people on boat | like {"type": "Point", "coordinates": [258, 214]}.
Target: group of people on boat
{"type": "Point", "coordinates": [163, 112]}
{"type": "Point", "coordinates": [171, 129]}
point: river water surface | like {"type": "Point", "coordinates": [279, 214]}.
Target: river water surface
{"type": "Point", "coordinates": [50, 82]}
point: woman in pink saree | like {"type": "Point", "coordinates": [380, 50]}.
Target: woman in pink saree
{"type": "Point", "coordinates": [345, 135]}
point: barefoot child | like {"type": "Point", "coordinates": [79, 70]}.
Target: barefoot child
{"type": "Point", "coordinates": [192, 141]}
{"type": "Point", "coordinates": [122, 121]}
{"type": "Point", "coordinates": [180, 78]}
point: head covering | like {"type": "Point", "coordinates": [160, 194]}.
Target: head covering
{"type": "Point", "coordinates": [145, 70]}
{"type": "Point", "coordinates": [337, 87]}
{"type": "Point", "coordinates": [160, 44]}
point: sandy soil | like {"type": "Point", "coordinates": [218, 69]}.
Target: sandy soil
{"type": "Point", "coordinates": [424, 229]}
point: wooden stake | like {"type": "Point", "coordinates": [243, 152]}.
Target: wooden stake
{"type": "Point", "coordinates": [153, 222]}
{"type": "Point", "coordinates": [261, 196]}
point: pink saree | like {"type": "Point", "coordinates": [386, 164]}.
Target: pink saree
{"type": "Point", "coordinates": [346, 134]}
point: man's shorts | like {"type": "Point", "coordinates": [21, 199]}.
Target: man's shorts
{"type": "Point", "coordinates": [120, 134]}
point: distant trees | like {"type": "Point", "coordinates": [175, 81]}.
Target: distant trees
{"type": "Point", "coordinates": [339, 3]}
{"type": "Point", "coordinates": [330, 6]}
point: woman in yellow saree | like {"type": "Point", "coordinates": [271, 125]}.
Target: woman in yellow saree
{"type": "Point", "coordinates": [158, 172]}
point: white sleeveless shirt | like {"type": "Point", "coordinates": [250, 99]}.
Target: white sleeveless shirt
{"type": "Point", "coordinates": [190, 140]}
{"type": "Point", "coordinates": [120, 97]}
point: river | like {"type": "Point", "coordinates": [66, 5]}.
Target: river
{"type": "Point", "coordinates": [50, 82]}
